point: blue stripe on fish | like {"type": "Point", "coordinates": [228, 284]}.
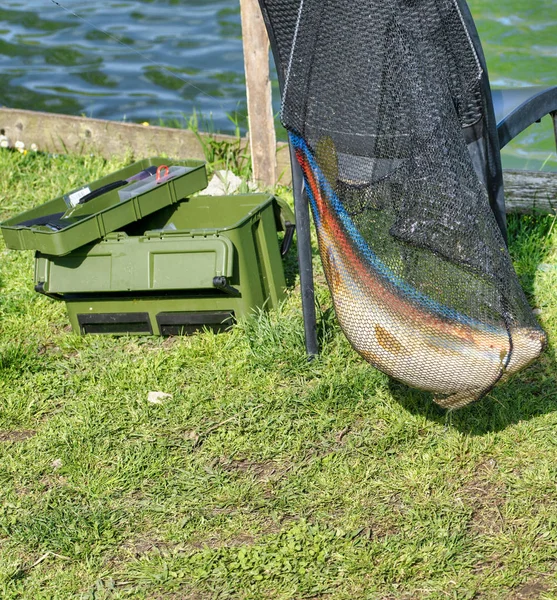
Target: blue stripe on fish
{"type": "Point", "coordinates": [370, 256]}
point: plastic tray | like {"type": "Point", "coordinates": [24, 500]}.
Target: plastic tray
{"type": "Point", "coordinates": [85, 223]}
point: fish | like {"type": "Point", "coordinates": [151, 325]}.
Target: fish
{"type": "Point", "coordinates": [398, 329]}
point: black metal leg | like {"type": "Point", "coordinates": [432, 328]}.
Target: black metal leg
{"type": "Point", "coordinates": [303, 236]}
{"type": "Point", "coordinates": [554, 117]}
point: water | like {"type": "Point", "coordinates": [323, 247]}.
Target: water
{"type": "Point", "coordinates": [519, 38]}
{"type": "Point", "coordinates": [52, 61]}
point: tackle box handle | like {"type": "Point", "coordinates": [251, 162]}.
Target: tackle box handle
{"type": "Point", "coordinates": [287, 223]}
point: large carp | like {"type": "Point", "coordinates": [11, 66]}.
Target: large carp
{"type": "Point", "coordinates": [398, 329]}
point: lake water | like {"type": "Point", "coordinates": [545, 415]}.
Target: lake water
{"type": "Point", "coordinates": [116, 61]}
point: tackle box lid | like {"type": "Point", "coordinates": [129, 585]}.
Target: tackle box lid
{"type": "Point", "coordinates": [93, 210]}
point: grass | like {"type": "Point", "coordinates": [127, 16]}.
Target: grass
{"type": "Point", "coordinates": [263, 475]}
{"type": "Point", "coordinates": [229, 155]}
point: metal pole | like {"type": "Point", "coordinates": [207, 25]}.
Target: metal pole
{"type": "Point", "coordinates": [554, 117]}
{"type": "Point", "coordinates": [301, 210]}
{"type": "Point", "coordinates": [303, 237]}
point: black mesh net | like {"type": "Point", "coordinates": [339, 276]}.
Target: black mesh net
{"type": "Point", "coordinates": [381, 99]}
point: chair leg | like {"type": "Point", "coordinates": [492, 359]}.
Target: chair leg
{"type": "Point", "coordinates": [303, 237]}
{"type": "Point", "coordinates": [554, 117]}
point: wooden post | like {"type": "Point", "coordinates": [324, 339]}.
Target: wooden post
{"type": "Point", "coordinates": [261, 123]}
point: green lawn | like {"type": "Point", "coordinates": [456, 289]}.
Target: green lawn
{"type": "Point", "coordinates": [263, 475]}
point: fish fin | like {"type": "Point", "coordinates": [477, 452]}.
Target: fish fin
{"type": "Point", "coordinates": [459, 399]}
{"type": "Point", "coordinates": [449, 346]}
{"type": "Point", "coordinates": [389, 342]}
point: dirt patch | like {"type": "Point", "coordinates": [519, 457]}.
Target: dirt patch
{"type": "Point", "coordinates": [42, 485]}
{"type": "Point", "coordinates": [48, 348]}
{"type": "Point", "coordinates": [169, 341]}
{"type": "Point", "coordinates": [380, 531]}
{"type": "Point", "coordinates": [228, 510]}
{"type": "Point", "coordinates": [183, 594]}
{"type": "Point", "coordinates": [142, 545]}
{"type": "Point", "coordinates": [486, 498]}
{"type": "Point", "coordinates": [404, 596]}
{"type": "Point", "coordinates": [16, 436]}
{"type": "Point", "coordinates": [243, 539]}
{"type": "Point", "coordinates": [51, 482]}
{"type": "Point", "coordinates": [216, 542]}
{"type": "Point", "coordinates": [530, 590]}
{"type": "Point", "coordinates": [388, 525]}
{"type": "Point", "coordinates": [486, 467]}
{"type": "Point", "coordinates": [261, 471]}
{"type": "Point", "coordinates": [487, 566]}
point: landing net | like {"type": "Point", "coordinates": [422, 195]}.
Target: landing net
{"type": "Point", "coordinates": [380, 99]}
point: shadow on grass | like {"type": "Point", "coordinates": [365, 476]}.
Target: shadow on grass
{"type": "Point", "coordinates": [290, 264]}
{"type": "Point", "coordinates": [527, 395]}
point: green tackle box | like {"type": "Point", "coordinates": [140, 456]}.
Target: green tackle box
{"type": "Point", "coordinates": [60, 226]}
{"type": "Point", "coordinates": [200, 263]}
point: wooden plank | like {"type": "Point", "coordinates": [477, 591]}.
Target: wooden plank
{"type": "Point", "coordinates": [78, 135]}
{"type": "Point", "coordinates": [259, 96]}
{"type": "Point", "coordinates": [529, 192]}
{"type": "Point", "coordinates": [66, 134]}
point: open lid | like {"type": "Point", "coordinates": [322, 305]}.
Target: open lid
{"type": "Point", "coordinates": [110, 203]}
